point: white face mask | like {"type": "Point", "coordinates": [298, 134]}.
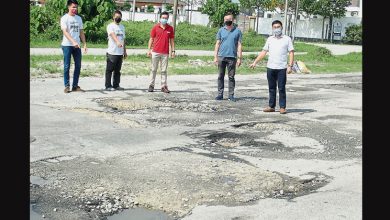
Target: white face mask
{"type": "Point", "coordinates": [277, 31]}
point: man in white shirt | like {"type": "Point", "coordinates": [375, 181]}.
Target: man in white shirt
{"type": "Point", "coordinates": [72, 29]}
{"type": "Point", "coordinates": [277, 46]}
{"type": "Point", "coordinates": [116, 51]}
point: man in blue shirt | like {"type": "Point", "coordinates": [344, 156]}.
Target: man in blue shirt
{"type": "Point", "coordinates": [227, 47]}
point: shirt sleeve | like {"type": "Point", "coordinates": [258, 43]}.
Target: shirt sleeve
{"type": "Point", "coordinates": [290, 45]}
{"type": "Point", "coordinates": [63, 23]}
{"type": "Point", "coordinates": [110, 29]}
{"type": "Point", "coordinates": [81, 23]}
{"type": "Point", "coordinates": [218, 36]}
{"type": "Point", "coordinates": [240, 37]}
{"type": "Point", "coordinates": [266, 46]}
{"type": "Point", "coordinates": [153, 33]}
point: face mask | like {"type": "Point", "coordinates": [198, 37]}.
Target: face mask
{"type": "Point", "coordinates": [277, 31]}
{"type": "Point", "coordinates": [163, 21]}
{"type": "Point", "coordinates": [117, 20]}
{"type": "Point", "coordinates": [228, 23]}
{"type": "Point", "coordinates": [74, 11]}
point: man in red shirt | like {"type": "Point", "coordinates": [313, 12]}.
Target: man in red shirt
{"type": "Point", "coordinates": [161, 36]}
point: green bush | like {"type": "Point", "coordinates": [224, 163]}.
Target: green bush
{"type": "Point", "coordinates": [187, 34]}
{"type": "Point", "coordinates": [94, 14]}
{"type": "Point", "coordinates": [150, 8]}
{"type": "Point", "coordinates": [252, 39]}
{"type": "Point", "coordinates": [322, 52]}
{"type": "Point", "coordinates": [138, 34]}
{"type": "Point", "coordinates": [40, 20]}
{"type": "Point", "coordinates": [353, 34]}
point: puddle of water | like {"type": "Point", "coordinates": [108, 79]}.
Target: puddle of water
{"type": "Point", "coordinates": [140, 214]}
{"type": "Point", "coordinates": [34, 215]}
{"type": "Point", "coordinates": [36, 180]}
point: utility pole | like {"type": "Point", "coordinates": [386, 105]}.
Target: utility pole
{"type": "Point", "coordinates": [133, 15]}
{"type": "Point", "coordinates": [174, 14]}
{"type": "Point", "coordinates": [296, 18]}
{"type": "Point", "coordinates": [285, 17]}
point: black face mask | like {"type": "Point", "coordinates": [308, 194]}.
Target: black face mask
{"type": "Point", "coordinates": [117, 20]}
{"type": "Point", "coordinates": [228, 23]}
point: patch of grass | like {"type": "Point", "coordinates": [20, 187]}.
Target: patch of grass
{"type": "Point", "coordinates": [183, 64]}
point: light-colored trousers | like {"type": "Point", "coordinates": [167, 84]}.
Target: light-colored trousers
{"type": "Point", "coordinates": [162, 59]}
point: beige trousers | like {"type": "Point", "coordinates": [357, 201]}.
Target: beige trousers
{"type": "Point", "coordinates": [162, 59]}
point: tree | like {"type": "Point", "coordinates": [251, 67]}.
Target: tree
{"type": "Point", "coordinates": [93, 12]}
{"type": "Point", "coordinates": [126, 6]}
{"type": "Point", "coordinates": [168, 8]}
{"type": "Point", "coordinates": [327, 9]}
{"type": "Point", "coordinates": [268, 5]}
{"type": "Point", "coordinates": [150, 8]}
{"type": "Point", "coordinates": [216, 10]}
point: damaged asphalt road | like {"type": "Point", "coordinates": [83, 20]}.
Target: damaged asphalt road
{"type": "Point", "coordinates": [95, 154]}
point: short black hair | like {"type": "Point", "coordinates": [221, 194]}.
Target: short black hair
{"type": "Point", "coordinates": [116, 12]}
{"type": "Point", "coordinates": [277, 22]}
{"type": "Point", "coordinates": [229, 13]}
{"type": "Point", "coordinates": [164, 13]}
{"type": "Point", "coordinates": [72, 2]}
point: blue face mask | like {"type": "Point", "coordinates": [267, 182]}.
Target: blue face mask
{"type": "Point", "coordinates": [163, 21]}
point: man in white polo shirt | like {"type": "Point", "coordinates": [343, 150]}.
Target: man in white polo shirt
{"type": "Point", "coordinates": [277, 46]}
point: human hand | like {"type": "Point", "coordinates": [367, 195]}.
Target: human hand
{"type": "Point", "coordinates": [253, 65]}
{"type": "Point", "coordinates": [289, 70]}
{"type": "Point", "coordinates": [76, 45]}
{"type": "Point", "coordinates": [238, 62]}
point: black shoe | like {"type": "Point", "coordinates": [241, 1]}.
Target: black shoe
{"type": "Point", "coordinates": [151, 88]}
{"type": "Point", "coordinates": [119, 88]}
{"type": "Point", "coordinates": [77, 89]}
{"type": "Point", "coordinates": [219, 97]}
{"type": "Point", "coordinates": [231, 98]}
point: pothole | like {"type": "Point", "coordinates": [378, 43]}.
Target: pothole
{"type": "Point", "coordinates": [141, 103]}
{"type": "Point", "coordinates": [39, 181]}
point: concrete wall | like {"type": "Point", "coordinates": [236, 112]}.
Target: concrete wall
{"type": "Point", "coordinates": [199, 18]}
{"type": "Point", "coordinates": [308, 28]}
{"type": "Point", "coordinates": [196, 18]}
{"type": "Point", "coordinates": [144, 16]}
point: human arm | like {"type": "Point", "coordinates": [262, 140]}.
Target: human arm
{"type": "Point", "coordinates": [216, 48]}
{"type": "Point", "coordinates": [258, 58]}
{"type": "Point", "coordinates": [82, 37]}
{"type": "Point", "coordinates": [70, 38]}
{"type": "Point", "coordinates": [150, 47]}
{"type": "Point", "coordinates": [290, 61]}
{"type": "Point", "coordinates": [239, 53]}
{"type": "Point", "coordinates": [172, 43]}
